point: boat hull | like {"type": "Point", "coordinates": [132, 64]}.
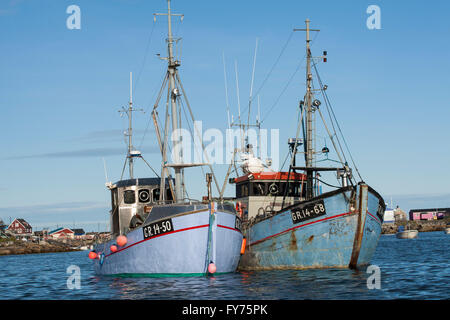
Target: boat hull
{"type": "Point", "coordinates": [447, 230]}
{"type": "Point", "coordinates": [187, 250]}
{"type": "Point", "coordinates": [346, 235]}
{"type": "Point", "coordinates": [407, 234]}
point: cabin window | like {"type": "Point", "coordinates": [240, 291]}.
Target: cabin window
{"type": "Point", "coordinates": [244, 190]}
{"type": "Point", "coordinates": [169, 195]}
{"type": "Point", "coordinates": [144, 195]}
{"type": "Point", "coordinates": [259, 189]}
{"type": "Point", "coordinates": [115, 220]}
{"type": "Point", "coordinates": [114, 198]}
{"type": "Point", "coordinates": [294, 189]}
{"type": "Point", "coordinates": [129, 197]}
{"type": "Point", "coordinates": [115, 212]}
{"type": "Point", "coordinates": [156, 194]}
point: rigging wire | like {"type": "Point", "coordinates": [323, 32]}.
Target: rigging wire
{"type": "Point", "coordinates": [330, 185]}
{"type": "Point", "coordinates": [145, 57]}
{"type": "Point", "coordinates": [331, 137]}
{"type": "Point", "coordinates": [148, 122]}
{"type": "Point", "coordinates": [288, 83]}
{"type": "Point", "coordinates": [274, 65]}
{"type": "Point", "coordinates": [329, 115]}
{"type": "Point", "coordinates": [284, 89]}
{"type": "Point", "coordinates": [327, 102]}
{"type": "Point", "coordinates": [190, 129]}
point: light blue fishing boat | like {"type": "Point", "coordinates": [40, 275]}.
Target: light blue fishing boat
{"type": "Point", "coordinates": [156, 230]}
{"type": "Point", "coordinates": [288, 223]}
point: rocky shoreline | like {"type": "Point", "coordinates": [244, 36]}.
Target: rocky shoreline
{"type": "Point", "coordinates": [21, 247]}
{"type": "Point", "coordinates": [421, 226]}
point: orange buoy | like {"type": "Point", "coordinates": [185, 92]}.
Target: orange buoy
{"type": "Point", "coordinates": [113, 248]}
{"type": "Point", "coordinates": [212, 268]}
{"type": "Point", "coordinates": [121, 240]}
{"type": "Point", "coordinates": [92, 255]}
{"type": "Point", "coordinates": [244, 242]}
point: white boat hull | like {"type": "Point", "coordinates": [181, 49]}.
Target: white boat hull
{"type": "Point", "coordinates": [407, 234]}
{"type": "Point", "coordinates": [180, 252]}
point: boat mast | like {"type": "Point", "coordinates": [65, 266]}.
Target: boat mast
{"type": "Point", "coordinates": [132, 153]}
{"type": "Point", "coordinates": [130, 128]}
{"type": "Point", "coordinates": [309, 117]}
{"type": "Point", "coordinates": [309, 143]}
{"type": "Point", "coordinates": [177, 147]}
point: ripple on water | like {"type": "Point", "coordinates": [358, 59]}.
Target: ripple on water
{"type": "Point", "coordinates": [410, 269]}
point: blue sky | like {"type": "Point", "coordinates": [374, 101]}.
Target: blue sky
{"type": "Point", "coordinates": [61, 90]}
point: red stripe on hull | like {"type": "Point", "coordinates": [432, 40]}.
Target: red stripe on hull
{"type": "Point", "coordinates": [171, 232]}
{"type": "Point", "coordinates": [159, 235]}
{"type": "Point", "coordinates": [234, 229]}
{"type": "Point", "coordinates": [296, 227]}
{"type": "Point", "coordinates": [375, 218]}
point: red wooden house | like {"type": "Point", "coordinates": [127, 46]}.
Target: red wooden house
{"type": "Point", "coordinates": [61, 233]}
{"type": "Point", "coordinates": [20, 227]}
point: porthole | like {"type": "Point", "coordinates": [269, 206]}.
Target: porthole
{"type": "Point", "coordinates": [144, 195]}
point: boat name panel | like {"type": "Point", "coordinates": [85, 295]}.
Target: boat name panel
{"type": "Point", "coordinates": [308, 211]}
{"type": "Point", "coordinates": [157, 228]}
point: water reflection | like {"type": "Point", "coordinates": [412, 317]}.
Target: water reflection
{"type": "Point", "coordinates": [415, 269]}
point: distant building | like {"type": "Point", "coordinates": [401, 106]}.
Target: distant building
{"type": "Point", "coordinates": [79, 234]}
{"type": "Point", "coordinates": [400, 215]}
{"type": "Point", "coordinates": [429, 214]}
{"type": "Point", "coordinates": [20, 228]}
{"type": "Point", "coordinates": [62, 233]}
{"type": "Point", "coordinates": [90, 236]}
{"type": "Point", "coordinates": [104, 235]}
{"type": "Point", "coordinates": [42, 234]}
{"type": "Point", "coordinates": [389, 216]}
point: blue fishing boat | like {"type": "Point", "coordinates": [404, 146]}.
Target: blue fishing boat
{"type": "Point", "coordinates": [156, 230]}
{"type": "Point", "coordinates": [288, 222]}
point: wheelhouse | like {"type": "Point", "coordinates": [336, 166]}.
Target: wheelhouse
{"type": "Point", "coordinates": [262, 193]}
{"type": "Point", "coordinates": [132, 201]}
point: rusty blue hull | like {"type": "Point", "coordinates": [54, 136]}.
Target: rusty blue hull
{"type": "Point", "coordinates": [195, 240]}
{"type": "Point", "coordinates": [344, 232]}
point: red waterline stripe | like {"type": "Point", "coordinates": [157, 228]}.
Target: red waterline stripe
{"type": "Point", "coordinates": [306, 224]}
{"type": "Point", "coordinates": [219, 225]}
{"type": "Point", "coordinates": [376, 219]}
{"type": "Point", "coordinates": [159, 235]}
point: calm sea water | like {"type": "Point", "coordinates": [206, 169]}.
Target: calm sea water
{"type": "Point", "coordinates": [410, 269]}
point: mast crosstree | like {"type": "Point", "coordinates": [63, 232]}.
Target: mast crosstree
{"type": "Point", "coordinates": [174, 91]}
